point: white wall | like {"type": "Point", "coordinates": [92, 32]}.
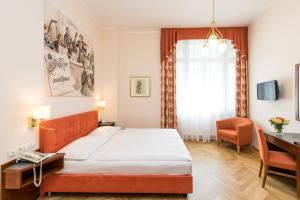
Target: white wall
{"type": "Point", "coordinates": [108, 73]}
{"type": "Point", "coordinates": [139, 56]}
{"type": "Point", "coordinates": [22, 80]}
{"type": "Point", "coordinates": [274, 45]}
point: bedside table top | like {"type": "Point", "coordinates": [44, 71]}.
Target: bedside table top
{"type": "Point", "coordinates": [106, 124]}
{"type": "Point", "coordinates": [23, 166]}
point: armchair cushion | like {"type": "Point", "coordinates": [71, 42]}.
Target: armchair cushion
{"type": "Point", "coordinates": [228, 133]}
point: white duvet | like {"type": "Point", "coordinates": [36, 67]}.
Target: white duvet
{"type": "Point", "coordinates": [129, 151]}
{"type": "Point", "coordinates": [144, 145]}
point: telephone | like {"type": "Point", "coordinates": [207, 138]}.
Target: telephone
{"type": "Point", "coordinates": [35, 157]}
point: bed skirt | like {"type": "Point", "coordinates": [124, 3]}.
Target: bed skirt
{"type": "Point", "coordinates": [117, 183]}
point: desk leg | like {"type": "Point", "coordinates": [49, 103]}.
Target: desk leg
{"type": "Point", "coordinates": [298, 174]}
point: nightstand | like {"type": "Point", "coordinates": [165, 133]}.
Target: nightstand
{"type": "Point", "coordinates": [106, 124]}
{"type": "Point", "coordinates": [17, 178]}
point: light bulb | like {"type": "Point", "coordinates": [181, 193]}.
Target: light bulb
{"type": "Point", "coordinates": [223, 46]}
{"type": "Point", "coordinates": [213, 41]}
{"type": "Point", "coordinates": [205, 49]}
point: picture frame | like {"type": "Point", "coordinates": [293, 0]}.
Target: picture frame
{"type": "Point", "coordinates": [297, 92]}
{"type": "Point", "coordinates": [140, 86]}
{"type": "Point", "coordinates": [69, 56]}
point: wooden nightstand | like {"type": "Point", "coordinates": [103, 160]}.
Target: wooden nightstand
{"type": "Point", "coordinates": [106, 124]}
{"type": "Point", "coordinates": [17, 178]}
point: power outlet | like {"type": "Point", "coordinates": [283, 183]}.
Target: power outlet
{"type": "Point", "coordinates": [15, 151]}
{"type": "Point", "coordinates": [11, 152]}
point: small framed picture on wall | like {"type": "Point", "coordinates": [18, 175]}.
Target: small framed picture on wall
{"type": "Point", "coordinates": [140, 86]}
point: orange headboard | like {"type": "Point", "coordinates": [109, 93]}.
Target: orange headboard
{"type": "Point", "coordinates": [57, 133]}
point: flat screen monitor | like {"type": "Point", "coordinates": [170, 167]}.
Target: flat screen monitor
{"type": "Point", "coordinates": [268, 91]}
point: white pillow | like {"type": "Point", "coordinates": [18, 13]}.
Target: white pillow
{"type": "Point", "coordinates": [83, 147]}
{"type": "Point", "coordinates": [107, 130]}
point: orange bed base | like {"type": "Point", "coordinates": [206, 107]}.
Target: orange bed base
{"type": "Point", "coordinates": [62, 131]}
{"type": "Point", "coordinates": [113, 183]}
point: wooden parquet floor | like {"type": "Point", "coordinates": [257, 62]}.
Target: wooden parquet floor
{"type": "Point", "coordinates": [219, 174]}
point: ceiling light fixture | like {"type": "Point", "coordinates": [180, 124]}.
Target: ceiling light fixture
{"type": "Point", "coordinates": [214, 36]}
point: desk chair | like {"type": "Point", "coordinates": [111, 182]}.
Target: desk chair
{"type": "Point", "coordinates": [276, 159]}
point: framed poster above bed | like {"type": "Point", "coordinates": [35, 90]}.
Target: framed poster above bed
{"type": "Point", "coordinates": [68, 56]}
{"type": "Point", "coordinates": [297, 92]}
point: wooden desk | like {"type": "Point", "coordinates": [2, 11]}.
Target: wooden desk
{"type": "Point", "coordinates": [286, 142]}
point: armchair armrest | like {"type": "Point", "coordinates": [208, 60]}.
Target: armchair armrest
{"type": "Point", "coordinates": [244, 133]}
{"type": "Point", "coordinates": [224, 123]}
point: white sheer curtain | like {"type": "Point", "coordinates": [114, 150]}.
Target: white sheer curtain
{"type": "Point", "coordinates": [205, 88]}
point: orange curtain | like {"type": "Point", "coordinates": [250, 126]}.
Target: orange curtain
{"type": "Point", "coordinates": [241, 85]}
{"type": "Point", "coordinates": [169, 38]}
{"type": "Point", "coordinates": [168, 78]}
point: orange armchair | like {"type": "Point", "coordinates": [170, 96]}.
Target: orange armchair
{"type": "Point", "coordinates": [236, 130]}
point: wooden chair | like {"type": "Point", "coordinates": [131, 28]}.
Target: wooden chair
{"type": "Point", "coordinates": [276, 159]}
{"type": "Point", "coordinates": [236, 130]}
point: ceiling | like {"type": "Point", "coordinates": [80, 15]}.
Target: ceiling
{"type": "Point", "coordinates": [131, 15]}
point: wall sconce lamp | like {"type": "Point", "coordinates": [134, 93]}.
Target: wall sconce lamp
{"type": "Point", "coordinates": [39, 113]}
{"type": "Point", "coordinates": [100, 107]}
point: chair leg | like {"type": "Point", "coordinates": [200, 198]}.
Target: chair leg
{"type": "Point", "coordinates": [260, 168]}
{"type": "Point", "coordinates": [238, 149]}
{"type": "Point", "coordinates": [265, 175]}
{"type": "Point", "coordinates": [218, 141]}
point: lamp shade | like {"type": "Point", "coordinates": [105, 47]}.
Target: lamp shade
{"type": "Point", "coordinates": [41, 112]}
{"type": "Point", "coordinates": [213, 41]}
{"type": "Point", "coordinates": [101, 104]}
{"type": "Point", "coordinates": [223, 46]}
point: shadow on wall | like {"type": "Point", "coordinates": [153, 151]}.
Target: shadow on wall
{"type": "Point", "coordinates": [285, 89]}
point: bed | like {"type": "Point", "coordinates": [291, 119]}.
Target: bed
{"type": "Point", "coordinates": [111, 160]}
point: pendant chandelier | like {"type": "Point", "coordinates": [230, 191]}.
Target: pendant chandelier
{"type": "Point", "coordinates": [214, 37]}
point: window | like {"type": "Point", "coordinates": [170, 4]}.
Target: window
{"type": "Point", "coordinates": [205, 88]}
